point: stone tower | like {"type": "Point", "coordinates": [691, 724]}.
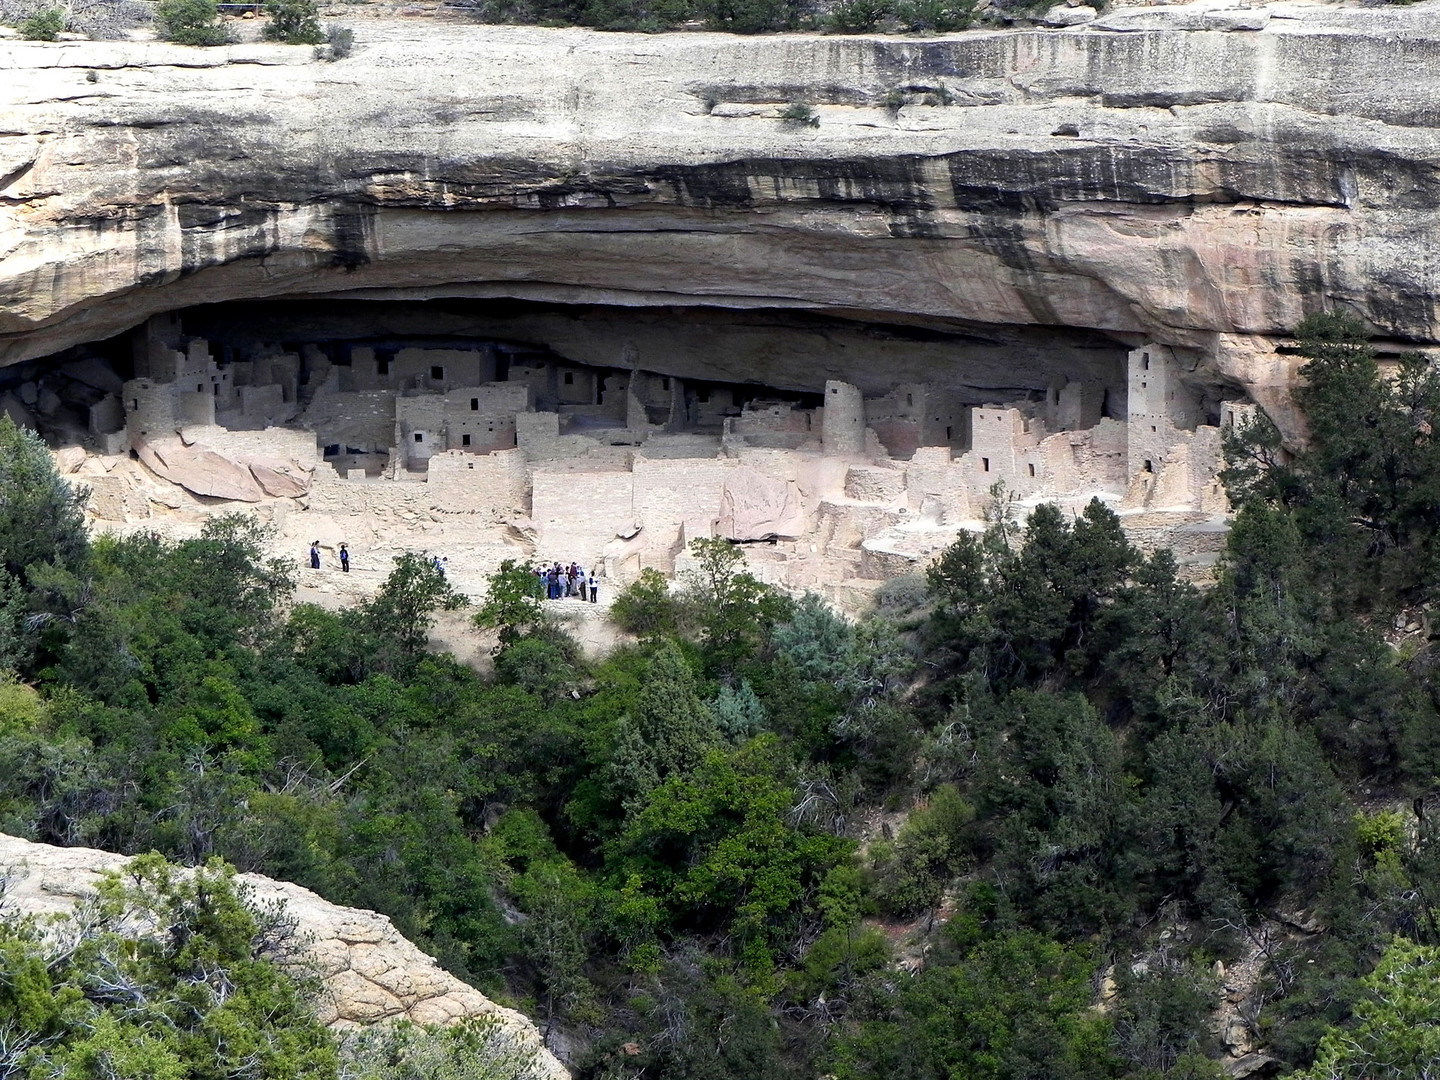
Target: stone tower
{"type": "Point", "coordinates": [843, 427]}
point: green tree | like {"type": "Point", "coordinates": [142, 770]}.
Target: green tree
{"type": "Point", "coordinates": [734, 608]}
{"type": "Point", "coordinates": [295, 22]}
{"type": "Point", "coordinates": [1013, 1007]}
{"type": "Point", "coordinates": [1394, 1034]}
{"type": "Point", "coordinates": [190, 22]}
{"type": "Point", "coordinates": [930, 850]}
{"type": "Point", "coordinates": [646, 608]}
{"type": "Point", "coordinates": [44, 25]}
{"type": "Point", "coordinates": [668, 732]}
{"type": "Point", "coordinates": [403, 611]}
{"type": "Point", "coordinates": [164, 977]}
{"type": "Point", "coordinates": [41, 514]}
{"type": "Point", "coordinates": [514, 603]}
{"type": "Point", "coordinates": [477, 1049]}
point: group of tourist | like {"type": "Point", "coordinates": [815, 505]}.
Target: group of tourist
{"type": "Point", "coordinates": [315, 556]}
{"type": "Point", "coordinates": [560, 582]}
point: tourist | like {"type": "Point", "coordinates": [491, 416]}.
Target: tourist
{"type": "Point", "coordinates": [564, 580]}
{"type": "Point", "coordinates": [315, 555]}
{"type": "Point", "coordinates": [594, 588]}
{"type": "Point", "coordinates": [440, 565]}
{"type": "Point", "coordinates": [344, 559]}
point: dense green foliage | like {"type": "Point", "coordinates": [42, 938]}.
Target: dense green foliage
{"type": "Point", "coordinates": [704, 855]}
{"type": "Point", "coordinates": [190, 22]}
{"type": "Point", "coordinates": [45, 25]}
{"type": "Point", "coordinates": [295, 22]}
{"type": "Point", "coordinates": [161, 977]}
{"type": "Point", "coordinates": [736, 16]}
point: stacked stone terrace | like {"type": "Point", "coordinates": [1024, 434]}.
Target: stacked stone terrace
{"type": "Point", "coordinates": [515, 451]}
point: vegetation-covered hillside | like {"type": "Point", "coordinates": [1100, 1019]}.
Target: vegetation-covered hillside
{"type": "Point", "coordinates": [1038, 817]}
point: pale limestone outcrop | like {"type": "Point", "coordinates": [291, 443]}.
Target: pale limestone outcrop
{"type": "Point", "coordinates": [370, 972]}
{"type": "Point", "coordinates": [1200, 176]}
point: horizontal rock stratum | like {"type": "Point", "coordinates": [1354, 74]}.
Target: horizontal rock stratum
{"type": "Point", "coordinates": [1194, 176]}
{"type": "Point", "coordinates": [371, 973]}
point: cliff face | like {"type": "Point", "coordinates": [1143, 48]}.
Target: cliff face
{"type": "Point", "coordinates": [370, 972]}
{"type": "Point", "coordinates": [1197, 177]}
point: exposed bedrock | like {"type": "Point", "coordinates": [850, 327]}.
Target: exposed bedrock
{"type": "Point", "coordinates": [1159, 174]}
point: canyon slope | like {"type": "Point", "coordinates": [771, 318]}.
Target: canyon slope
{"type": "Point", "coordinates": [1196, 176]}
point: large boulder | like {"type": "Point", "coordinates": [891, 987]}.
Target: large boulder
{"type": "Point", "coordinates": [757, 506]}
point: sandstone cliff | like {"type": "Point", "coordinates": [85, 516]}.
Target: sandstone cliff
{"type": "Point", "coordinates": [1194, 175]}
{"type": "Point", "coordinates": [371, 973]}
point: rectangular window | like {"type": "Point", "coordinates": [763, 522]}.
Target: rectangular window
{"type": "Point", "coordinates": [948, 436]}
{"type": "Point", "coordinates": [419, 437]}
{"type": "Point", "coordinates": [1032, 470]}
{"type": "Point", "coordinates": [985, 464]}
{"type": "Point", "coordinates": [437, 372]}
{"type": "Point", "coordinates": [569, 378]}
{"type": "Point", "coordinates": [703, 396]}
{"type": "Point", "coordinates": [382, 365]}
{"type": "Point", "coordinates": [1149, 466]}
{"type": "Point", "coordinates": [665, 383]}
{"type": "Point", "coordinates": [1145, 361]}
{"type": "Point", "coordinates": [200, 389]}
{"type": "Point", "coordinates": [474, 404]}
{"type": "Point", "coordinates": [909, 399]}
{"type": "Point", "coordinates": [464, 440]}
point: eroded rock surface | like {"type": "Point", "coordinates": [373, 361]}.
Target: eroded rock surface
{"type": "Point", "coordinates": [371, 973]}
{"type": "Point", "coordinates": [1199, 176]}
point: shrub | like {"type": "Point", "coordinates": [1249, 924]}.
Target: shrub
{"type": "Point", "coordinates": [858, 16]}
{"type": "Point", "coordinates": [645, 607]}
{"type": "Point", "coordinates": [936, 16]}
{"type": "Point", "coordinates": [295, 22]}
{"type": "Point", "coordinates": [747, 16]}
{"type": "Point", "coordinates": [341, 40]}
{"type": "Point", "coordinates": [799, 113]}
{"type": "Point", "coordinates": [44, 25]}
{"type": "Point", "coordinates": [190, 22]}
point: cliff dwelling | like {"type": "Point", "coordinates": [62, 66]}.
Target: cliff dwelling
{"type": "Point", "coordinates": [610, 304]}
{"type": "Point", "coordinates": [848, 450]}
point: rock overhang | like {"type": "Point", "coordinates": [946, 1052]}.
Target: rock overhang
{"type": "Point", "coordinates": [1152, 177]}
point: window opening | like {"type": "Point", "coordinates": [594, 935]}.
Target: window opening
{"type": "Point", "coordinates": [985, 464]}
{"type": "Point", "coordinates": [464, 440]}
{"type": "Point", "coordinates": [437, 372]}
{"type": "Point", "coordinates": [474, 404]}
{"type": "Point", "coordinates": [1032, 470]}
{"type": "Point", "coordinates": [569, 378]}
{"type": "Point", "coordinates": [1149, 466]}
{"type": "Point", "coordinates": [419, 437]}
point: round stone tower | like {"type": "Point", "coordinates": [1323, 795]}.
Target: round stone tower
{"type": "Point", "coordinates": [843, 427]}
